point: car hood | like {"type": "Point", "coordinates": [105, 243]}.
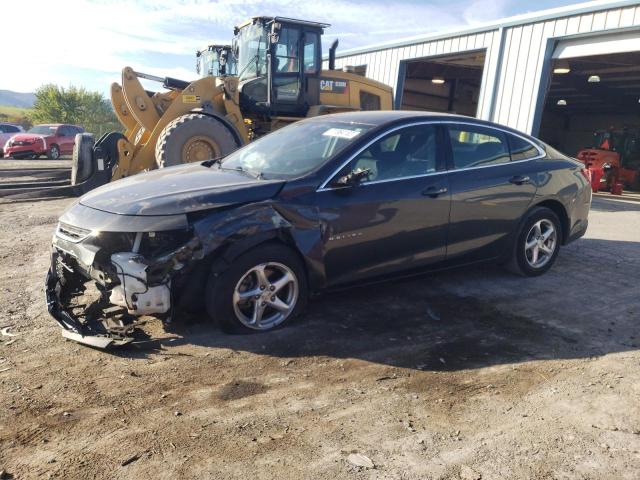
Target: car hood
{"type": "Point", "coordinates": [178, 190]}
{"type": "Point", "coordinates": [20, 137]}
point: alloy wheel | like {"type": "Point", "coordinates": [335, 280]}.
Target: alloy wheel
{"type": "Point", "coordinates": [541, 243]}
{"type": "Point", "coordinates": [265, 296]}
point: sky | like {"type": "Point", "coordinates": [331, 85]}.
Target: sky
{"type": "Point", "coordinates": [87, 42]}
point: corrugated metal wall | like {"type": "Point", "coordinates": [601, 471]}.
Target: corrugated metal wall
{"type": "Point", "coordinates": [524, 55]}
{"type": "Point", "coordinates": [518, 74]}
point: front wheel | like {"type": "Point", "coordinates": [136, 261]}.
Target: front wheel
{"type": "Point", "coordinates": [537, 244]}
{"type": "Point", "coordinates": [262, 289]}
{"type": "Point", "coordinates": [193, 137]}
{"type": "Point", "coordinates": [54, 152]}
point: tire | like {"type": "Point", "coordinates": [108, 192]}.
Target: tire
{"type": "Point", "coordinates": [54, 152]}
{"type": "Point", "coordinates": [193, 137]}
{"type": "Point", "coordinates": [223, 290]}
{"type": "Point", "coordinates": [82, 158]}
{"type": "Point", "coordinates": [523, 261]}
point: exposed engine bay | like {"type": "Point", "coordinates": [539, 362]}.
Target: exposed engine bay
{"type": "Point", "coordinates": [101, 282]}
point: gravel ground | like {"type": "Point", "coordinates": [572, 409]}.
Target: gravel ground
{"type": "Point", "coordinates": [465, 374]}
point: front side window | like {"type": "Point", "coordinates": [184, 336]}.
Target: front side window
{"type": "Point", "coordinates": [409, 152]}
{"type": "Point", "coordinates": [475, 146]}
{"type": "Point", "coordinates": [309, 53]}
{"type": "Point", "coordinates": [295, 150]}
{"type": "Point", "coordinates": [286, 51]}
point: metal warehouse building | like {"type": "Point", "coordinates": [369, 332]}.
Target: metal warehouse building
{"type": "Point", "coordinates": [558, 74]}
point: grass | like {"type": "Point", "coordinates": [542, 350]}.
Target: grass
{"type": "Point", "coordinates": [13, 114]}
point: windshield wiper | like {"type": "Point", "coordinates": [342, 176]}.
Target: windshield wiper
{"type": "Point", "coordinates": [211, 162]}
{"type": "Point", "coordinates": [240, 169]}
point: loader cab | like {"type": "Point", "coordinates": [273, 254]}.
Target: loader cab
{"type": "Point", "coordinates": [279, 63]}
{"type": "Point", "coordinates": [216, 61]}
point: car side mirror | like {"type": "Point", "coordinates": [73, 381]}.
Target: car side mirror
{"type": "Point", "coordinates": [352, 179]}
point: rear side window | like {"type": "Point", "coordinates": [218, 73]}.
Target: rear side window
{"type": "Point", "coordinates": [474, 146]}
{"type": "Point", "coordinates": [521, 149]}
{"type": "Point", "coordinates": [309, 52]}
{"type": "Point", "coordinates": [9, 129]}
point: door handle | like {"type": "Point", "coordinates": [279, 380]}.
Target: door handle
{"type": "Point", "coordinates": [519, 179]}
{"type": "Point", "coordinates": [434, 191]}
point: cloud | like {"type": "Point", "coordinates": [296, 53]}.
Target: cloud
{"type": "Point", "coordinates": [82, 42]}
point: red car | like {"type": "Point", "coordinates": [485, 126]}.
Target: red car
{"type": "Point", "coordinates": [51, 140]}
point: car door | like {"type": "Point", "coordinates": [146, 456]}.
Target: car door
{"type": "Point", "coordinates": [490, 191]}
{"type": "Point", "coordinates": [65, 139]}
{"type": "Point", "coordinates": [394, 219]}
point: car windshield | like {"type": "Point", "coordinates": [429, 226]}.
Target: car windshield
{"type": "Point", "coordinates": [295, 150]}
{"type": "Point", "coordinates": [251, 45]}
{"type": "Point", "coordinates": [43, 130]}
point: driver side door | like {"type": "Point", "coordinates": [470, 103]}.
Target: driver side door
{"type": "Point", "coordinates": [395, 219]}
{"type": "Point", "coordinates": [285, 68]}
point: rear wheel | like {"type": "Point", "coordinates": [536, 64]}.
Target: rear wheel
{"type": "Point", "coordinates": [54, 152]}
{"type": "Point", "coordinates": [193, 138]}
{"type": "Point", "coordinates": [82, 158]}
{"type": "Point", "coordinates": [537, 244]}
{"type": "Point", "coordinates": [262, 289]}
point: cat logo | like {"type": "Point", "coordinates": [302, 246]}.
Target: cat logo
{"type": "Point", "coordinates": [332, 85]}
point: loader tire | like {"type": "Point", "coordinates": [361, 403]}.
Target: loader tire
{"type": "Point", "coordinates": [82, 158]}
{"type": "Point", "coordinates": [193, 137]}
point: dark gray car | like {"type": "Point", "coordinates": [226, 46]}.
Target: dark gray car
{"type": "Point", "coordinates": [324, 202]}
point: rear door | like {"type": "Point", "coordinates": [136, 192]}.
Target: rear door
{"type": "Point", "coordinates": [397, 218]}
{"type": "Point", "coordinates": [490, 191]}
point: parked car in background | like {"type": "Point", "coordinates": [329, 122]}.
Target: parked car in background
{"type": "Point", "coordinates": [324, 202]}
{"type": "Point", "coordinates": [8, 130]}
{"type": "Point", "coordinates": [51, 140]}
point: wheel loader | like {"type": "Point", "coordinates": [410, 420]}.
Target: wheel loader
{"type": "Point", "coordinates": [216, 61]}
{"type": "Point", "coordinates": [279, 80]}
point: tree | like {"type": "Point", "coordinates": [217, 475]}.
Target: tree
{"type": "Point", "coordinates": [75, 105]}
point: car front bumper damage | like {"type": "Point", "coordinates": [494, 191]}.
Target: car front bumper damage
{"type": "Point", "coordinates": [125, 286]}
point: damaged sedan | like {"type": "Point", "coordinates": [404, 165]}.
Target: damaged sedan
{"type": "Point", "coordinates": [324, 202]}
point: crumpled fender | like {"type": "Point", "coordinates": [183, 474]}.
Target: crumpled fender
{"type": "Point", "coordinates": [228, 233]}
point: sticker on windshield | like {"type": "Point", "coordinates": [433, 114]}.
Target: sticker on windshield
{"type": "Point", "coordinates": [341, 133]}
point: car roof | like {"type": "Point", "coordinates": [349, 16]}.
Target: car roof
{"type": "Point", "coordinates": [380, 118]}
{"type": "Point", "coordinates": [57, 125]}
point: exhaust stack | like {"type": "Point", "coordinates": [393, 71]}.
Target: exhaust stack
{"type": "Point", "coordinates": [332, 55]}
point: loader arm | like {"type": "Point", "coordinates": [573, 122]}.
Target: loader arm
{"type": "Point", "coordinates": [144, 117]}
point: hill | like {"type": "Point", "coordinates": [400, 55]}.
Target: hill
{"type": "Point", "coordinates": [16, 99]}
{"type": "Point", "coordinates": [15, 115]}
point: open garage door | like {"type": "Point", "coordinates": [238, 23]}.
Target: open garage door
{"type": "Point", "coordinates": [448, 83]}
{"type": "Point", "coordinates": [593, 100]}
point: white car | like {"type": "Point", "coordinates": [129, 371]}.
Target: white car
{"type": "Point", "coordinates": [8, 130]}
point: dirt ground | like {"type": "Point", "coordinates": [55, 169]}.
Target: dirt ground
{"type": "Point", "coordinates": [466, 374]}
